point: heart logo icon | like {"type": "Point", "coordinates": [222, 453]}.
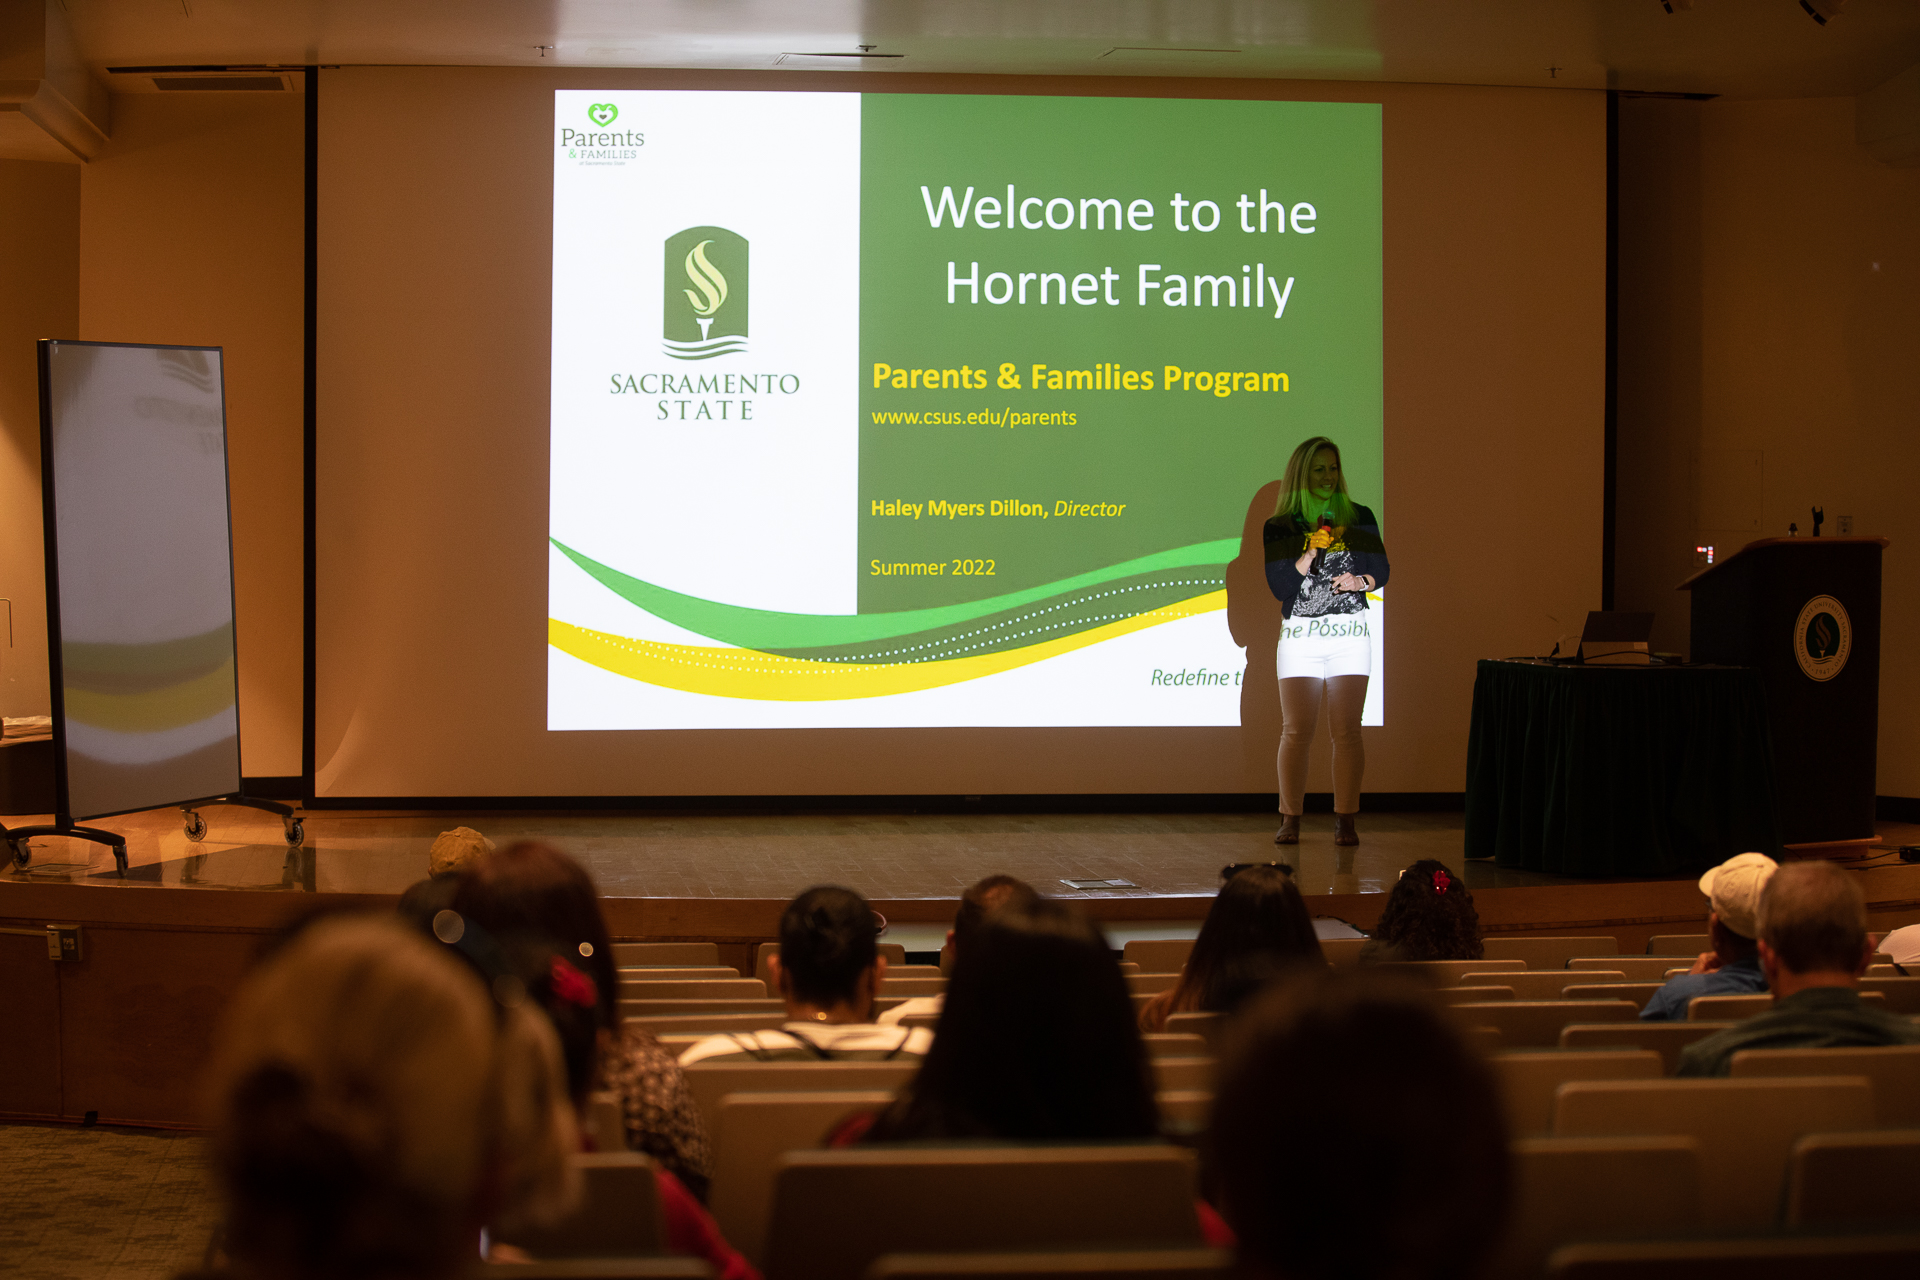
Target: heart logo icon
{"type": "Point", "coordinates": [602, 113]}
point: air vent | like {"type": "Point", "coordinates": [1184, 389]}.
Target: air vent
{"type": "Point", "coordinates": [803, 60]}
{"type": "Point", "coordinates": [220, 84]}
{"type": "Point", "coordinates": [1135, 53]}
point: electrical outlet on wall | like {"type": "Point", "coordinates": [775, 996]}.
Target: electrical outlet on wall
{"type": "Point", "coordinates": [1846, 526]}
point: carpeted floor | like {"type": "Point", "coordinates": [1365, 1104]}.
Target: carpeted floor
{"type": "Point", "coordinates": [79, 1204]}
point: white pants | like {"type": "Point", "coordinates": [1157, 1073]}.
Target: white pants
{"type": "Point", "coordinates": [1321, 648]}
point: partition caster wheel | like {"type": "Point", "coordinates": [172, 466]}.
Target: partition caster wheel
{"type": "Point", "coordinates": [296, 832]}
{"type": "Point", "coordinates": [17, 851]}
{"type": "Point", "coordinates": [120, 860]}
{"type": "Point", "coordinates": [196, 827]}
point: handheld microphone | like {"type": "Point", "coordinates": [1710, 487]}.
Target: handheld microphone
{"type": "Point", "coordinates": [1326, 522]}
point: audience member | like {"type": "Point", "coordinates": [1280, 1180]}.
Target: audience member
{"type": "Point", "coordinates": [1256, 927]}
{"type": "Point", "coordinates": [532, 892]}
{"type": "Point", "coordinates": [1902, 947]}
{"type": "Point", "coordinates": [829, 971]}
{"type": "Point", "coordinates": [1732, 968]}
{"type": "Point", "coordinates": [1813, 948]}
{"type": "Point", "coordinates": [1429, 915]}
{"type": "Point", "coordinates": [373, 1106]}
{"type": "Point", "coordinates": [452, 853]}
{"type": "Point", "coordinates": [1356, 1135]}
{"type": "Point", "coordinates": [976, 903]}
{"type": "Point", "coordinates": [1037, 1040]}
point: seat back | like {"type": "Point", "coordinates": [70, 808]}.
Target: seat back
{"type": "Point", "coordinates": [1132, 1264]}
{"type": "Point", "coordinates": [1746, 1128]}
{"type": "Point", "coordinates": [1902, 994]}
{"type": "Point", "coordinates": [1638, 992]}
{"type": "Point", "coordinates": [1171, 1045]}
{"type": "Point", "coordinates": [834, 1212]}
{"type": "Point", "coordinates": [1472, 995]}
{"type": "Point", "coordinates": [1535, 1024]}
{"type": "Point", "coordinates": [1761, 1258]}
{"type": "Point", "coordinates": [618, 1216]}
{"type": "Point", "coordinates": [1569, 1189]}
{"type": "Point", "coordinates": [1184, 1073]}
{"type": "Point", "coordinates": [666, 1267]}
{"type": "Point", "coordinates": [1894, 1070]}
{"type": "Point", "coordinates": [1545, 984]}
{"type": "Point", "coordinates": [1857, 1178]}
{"type": "Point", "coordinates": [909, 987]}
{"type": "Point", "coordinates": [674, 973]}
{"type": "Point", "coordinates": [1548, 953]}
{"type": "Point", "coordinates": [1728, 1008]}
{"type": "Point", "coordinates": [1152, 983]}
{"type": "Point", "coordinates": [705, 1024]}
{"type": "Point", "coordinates": [1447, 973]}
{"type": "Point", "coordinates": [701, 954]}
{"type": "Point", "coordinates": [692, 989]}
{"type": "Point", "coordinates": [1529, 1078]}
{"type": "Point", "coordinates": [1679, 944]}
{"type": "Point", "coordinates": [651, 1008]}
{"type": "Point", "coordinates": [751, 1131]}
{"type": "Point", "coordinates": [894, 953]}
{"type": "Point", "coordinates": [1184, 1110]}
{"type": "Point", "coordinates": [709, 1082]}
{"type": "Point", "coordinates": [1665, 1038]}
{"type": "Point", "coordinates": [1342, 951]}
{"type": "Point", "coordinates": [1158, 955]}
{"type": "Point", "coordinates": [1205, 1025]}
{"type": "Point", "coordinates": [1636, 968]}
{"type": "Point", "coordinates": [605, 1121]}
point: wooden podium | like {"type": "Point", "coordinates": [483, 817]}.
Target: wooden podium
{"type": "Point", "coordinates": [1806, 613]}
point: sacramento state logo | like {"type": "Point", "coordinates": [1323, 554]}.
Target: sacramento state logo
{"type": "Point", "coordinates": [1822, 638]}
{"type": "Point", "coordinates": [706, 294]}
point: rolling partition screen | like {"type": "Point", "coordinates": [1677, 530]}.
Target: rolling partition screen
{"type": "Point", "coordinates": [139, 576]}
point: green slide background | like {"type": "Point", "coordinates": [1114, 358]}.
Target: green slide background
{"type": "Point", "coordinates": [1185, 463]}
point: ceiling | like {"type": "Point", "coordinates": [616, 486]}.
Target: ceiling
{"type": "Point", "coordinates": [1739, 48]}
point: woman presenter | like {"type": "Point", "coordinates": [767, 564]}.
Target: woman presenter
{"type": "Point", "coordinates": [1323, 555]}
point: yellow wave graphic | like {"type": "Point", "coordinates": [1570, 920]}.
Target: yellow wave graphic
{"type": "Point", "coordinates": [769, 677]}
{"type": "Point", "coordinates": [151, 710]}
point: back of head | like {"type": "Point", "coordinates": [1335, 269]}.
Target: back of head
{"type": "Point", "coordinates": [986, 897]}
{"type": "Point", "coordinates": [1036, 1039]}
{"type": "Point", "coordinates": [1429, 915]}
{"type": "Point", "coordinates": [531, 890]}
{"type": "Point", "coordinates": [1814, 917]}
{"type": "Point", "coordinates": [1256, 927]}
{"type": "Point", "coordinates": [371, 1102]}
{"type": "Point", "coordinates": [456, 850]}
{"type": "Point", "coordinates": [1355, 1134]}
{"type": "Point", "coordinates": [827, 940]}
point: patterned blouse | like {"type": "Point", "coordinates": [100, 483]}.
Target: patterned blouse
{"type": "Point", "coordinates": [1356, 549]}
{"type": "Point", "coordinates": [661, 1118]}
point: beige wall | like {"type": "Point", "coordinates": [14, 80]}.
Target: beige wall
{"type": "Point", "coordinates": [191, 228]}
{"type": "Point", "coordinates": [1770, 325]}
{"type": "Point", "coordinates": [39, 298]}
{"type": "Point", "coordinates": [434, 300]}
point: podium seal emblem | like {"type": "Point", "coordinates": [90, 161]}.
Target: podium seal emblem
{"type": "Point", "coordinates": [1822, 638]}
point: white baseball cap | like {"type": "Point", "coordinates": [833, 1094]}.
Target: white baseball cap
{"type": "Point", "coordinates": [1903, 945]}
{"type": "Point", "coordinates": [1734, 888]}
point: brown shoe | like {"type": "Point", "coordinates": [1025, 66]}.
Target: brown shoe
{"type": "Point", "coordinates": [1289, 829]}
{"type": "Point", "coordinates": [1343, 832]}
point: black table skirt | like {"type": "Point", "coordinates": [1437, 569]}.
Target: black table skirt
{"type": "Point", "coordinates": [1618, 771]}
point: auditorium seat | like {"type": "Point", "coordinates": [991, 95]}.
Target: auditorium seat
{"type": "Point", "coordinates": [1152, 983]}
{"type": "Point", "coordinates": [1746, 1128]}
{"type": "Point", "coordinates": [709, 1082]}
{"type": "Point", "coordinates": [1548, 953]}
{"type": "Point", "coordinates": [1544, 985]}
{"type": "Point", "coordinates": [1448, 973]}
{"type": "Point", "coordinates": [922, 1021]}
{"type": "Point", "coordinates": [1184, 1110]}
{"type": "Point", "coordinates": [1638, 992]}
{"type": "Point", "coordinates": [1184, 1073]}
{"type": "Point", "coordinates": [1342, 951]}
{"type": "Point", "coordinates": [1529, 1079]}
{"type": "Point", "coordinates": [1665, 1038]}
{"type": "Point", "coordinates": [1536, 1024]}
{"type": "Point", "coordinates": [1473, 995]}
{"type": "Point", "coordinates": [912, 986]}
{"type": "Point", "coordinates": [1894, 1070]}
{"type": "Point", "coordinates": [1207, 1026]}
{"type": "Point", "coordinates": [751, 1131]}
{"type": "Point", "coordinates": [605, 1121]}
{"type": "Point", "coordinates": [664, 1267]}
{"type": "Point", "coordinates": [1170, 1045]}
{"type": "Point", "coordinates": [1637, 968]}
{"type": "Point", "coordinates": [1886, 971]}
{"type": "Point", "coordinates": [1735, 1008]}
{"type": "Point", "coordinates": [702, 1025]}
{"type": "Point", "coordinates": [1689, 945]}
{"type": "Point", "coordinates": [689, 1004]}
{"type": "Point", "coordinates": [695, 989]}
{"type": "Point", "coordinates": [618, 1216]}
{"type": "Point", "coordinates": [697, 954]}
{"type": "Point", "coordinates": [1158, 955]}
{"type": "Point", "coordinates": [1767, 1257]}
{"type": "Point", "coordinates": [1853, 1179]}
{"type": "Point", "coordinates": [1571, 1189]}
{"type": "Point", "coordinates": [673, 973]}
{"type": "Point", "coordinates": [894, 953]}
{"type": "Point", "coordinates": [834, 1212]}
{"type": "Point", "coordinates": [1902, 994]}
{"type": "Point", "coordinates": [1132, 1264]}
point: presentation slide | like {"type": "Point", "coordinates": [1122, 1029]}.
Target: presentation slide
{"type": "Point", "coordinates": [919, 410]}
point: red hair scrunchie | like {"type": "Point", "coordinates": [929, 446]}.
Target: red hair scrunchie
{"type": "Point", "coordinates": [571, 985]}
{"type": "Point", "coordinates": [1440, 882]}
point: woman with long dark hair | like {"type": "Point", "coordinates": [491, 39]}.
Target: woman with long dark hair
{"type": "Point", "coordinates": [1323, 555]}
{"type": "Point", "coordinates": [1256, 928]}
{"type": "Point", "coordinates": [1429, 915]}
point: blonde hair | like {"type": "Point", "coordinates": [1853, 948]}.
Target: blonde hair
{"type": "Point", "coordinates": [372, 1103]}
{"type": "Point", "coordinates": [456, 850]}
{"type": "Point", "coordinates": [1296, 496]}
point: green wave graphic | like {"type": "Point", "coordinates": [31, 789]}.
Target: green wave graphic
{"type": "Point", "coordinates": [800, 634]}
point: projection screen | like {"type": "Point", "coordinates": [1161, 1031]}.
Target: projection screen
{"type": "Point", "coordinates": [647, 399]}
{"type": "Point", "coordinates": [139, 576]}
